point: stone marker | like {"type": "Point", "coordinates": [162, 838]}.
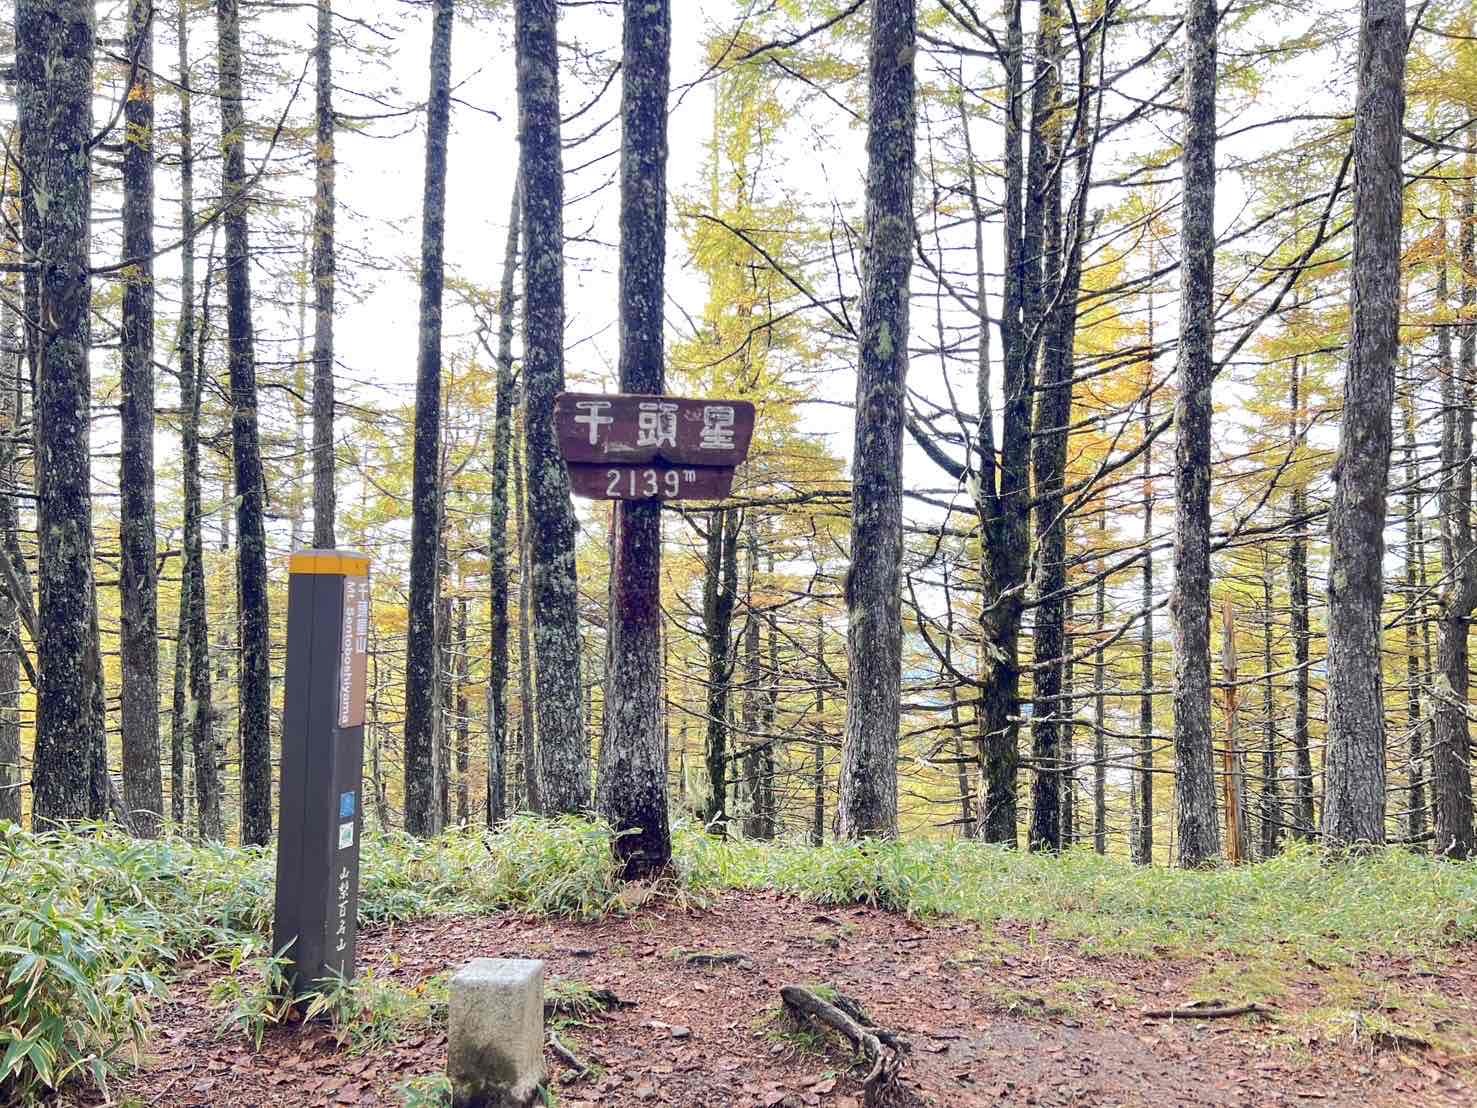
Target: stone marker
{"type": "Point", "coordinates": [495, 1034]}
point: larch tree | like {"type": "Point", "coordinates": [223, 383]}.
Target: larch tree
{"type": "Point", "coordinates": [1053, 399]}
{"type": "Point", "coordinates": [422, 654]}
{"type": "Point", "coordinates": [11, 645]}
{"type": "Point", "coordinates": [720, 593]}
{"type": "Point", "coordinates": [55, 48]}
{"type": "Point", "coordinates": [563, 747]}
{"type": "Point", "coordinates": [255, 684]}
{"type": "Point", "coordinates": [1189, 608]}
{"type": "Point", "coordinates": [1354, 795]}
{"type": "Point", "coordinates": [199, 715]}
{"type": "Point", "coordinates": [497, 542]}
{"type": "Point", "coordinates": [143, 788]}
{"type": "Point", "coordinates": [324, 276]}
{"type": "Point", "coordinates": [632, 793]}
{"type": "Point", "coordinates": [1452, 751]}
{"type": "Point", "coordinates": [868, 781]}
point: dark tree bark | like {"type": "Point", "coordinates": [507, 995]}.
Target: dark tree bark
{"type": "Point", "coordinates": [1005, 490]}
{"type": "Point", "coordinates": [528, 737]}
{"type": "Point", "coordinates": [1451, 784]}
{"type": "Point", "coordinates": [422, 661]}
{"type": "Point", "coordinates": [55, 43]}
{"type": "Point", "coordinates": [1189, 608]}
{"type": "Point", "coordinates": [1354, 797]}
{"type": "Point", "coordinates": [463, 720]}
{"type": "Point", "coordinates": [632, 790]}
{"type": "Point", "coordinates": [11, 781]}
{"type": "Point", "coordinates": [255, 684]}
{"type": "Point", "coordinates": [818, 751]}
{"type": "Point", "coordinates": [868, 780]}
{"type": "Point", "coordinates": [1100, 708]}
{"type": "Point", "coordinates": [563, 746]}
{"type": "Point", "coordinates": [1297, 571]}
{"type": "Point", "coordinates": [143, 789]}
{"type": "Point", "coordinates": [200, 713]}
{"type": "Point", "coordinates": [1271, 811]}
{"type": "Point", "coordinates": [1414, 556]}
{"type": "Point", "coordinates": [1049, 448]}
{"type": "Point", "coordinates": [324, 276]}
{"type": "Point", "coordinates": [720, 592]}
{"type": "Point", "coordinates": [1143, 844]}
{"type": "Point", "coordinates": [502, 445]}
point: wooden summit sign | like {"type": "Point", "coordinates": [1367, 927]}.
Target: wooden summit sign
{"type": "Point", "coordinates": [629, 447]}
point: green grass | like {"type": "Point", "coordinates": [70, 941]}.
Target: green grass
{"type": "Point", "coordinates": [1389, 900]}
{"type": "Point", "coordinates": [93, 921]}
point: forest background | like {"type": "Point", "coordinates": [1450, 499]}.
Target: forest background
{"type": "Point", "coordinates": [765, 193]}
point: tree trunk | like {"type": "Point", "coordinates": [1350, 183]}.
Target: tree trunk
{"type": "Point", "coordinates": [1100, 704]}
{"type": "Point", "coordinates": [563, 746]}
{"type": "Point", "coordinates": [497, 543]}
{"type": "Point", "coordinates": [1049, 447]}
{"type": "Point", "coordinates": [1297, 570]}
{"type": "Point", "coordinates": [255, 684]}
{"type": "Point", "coordinates": [632, 792]}
{"type": "Point", "coordinates": [1415, 827]}
{"type": "Point", "coordinates": [720, 591]}
{"type": "Point", "coordinates": [1005, 507]}
{"type": "Point", "coordinates": [463, 720]}
{"type": "Point", "coordinates": [1143, 844]}
{"type": "Point", "coordinates": [11, 780]}
{"type": "Point", "coordinates": [528, 744]}
{"type": "Point", "coordinates": [55, 42]}
{"type": "Point", "coordinates": [818, 751]}
{"type": "Point", "coordinates": [1354, 798]}
{"type": "Point", "coordinates": [1271, 785]}
{"type": "Point", "coordinates": [324, 276]}
{"type": "Point", "coordinates": [868, 781]}
{"type": "Point", "coordinates": [201, 714]}
{"type": "Point", "coordinates": [1199, 838]}
{"type": "Point", "coordinates": [422, 661]}
{"type": "Point", "coordinates": [143, 789]}
{"type": "Point", "coordinates": [1451, 785]}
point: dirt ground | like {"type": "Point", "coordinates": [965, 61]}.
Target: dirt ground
{"type": "Point", "coordinates": [999, 1016]}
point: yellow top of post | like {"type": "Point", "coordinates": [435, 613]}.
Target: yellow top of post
{"type": "Point", "coordinates": [343, 563]}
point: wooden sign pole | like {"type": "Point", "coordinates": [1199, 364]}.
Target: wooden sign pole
{"type": "Point", "coordinates": [321, 814]}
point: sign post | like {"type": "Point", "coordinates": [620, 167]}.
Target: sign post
{"type": "Point", "coordinates": [628, 447]}
{"type": "Point", "coordinates": [322, 760]}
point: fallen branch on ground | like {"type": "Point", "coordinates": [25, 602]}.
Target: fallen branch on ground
{"type": "Point", "coordinates": [712, 957]}
{"type": "Point", "coordinates": [883, 1049]}
{"type": "Point", "coordinates": [1207, 1013]}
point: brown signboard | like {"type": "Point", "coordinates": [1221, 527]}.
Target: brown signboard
{"type": "Point", "coordinates": [621, 428]}
{"type": "Point", "coordinates": [650, 482]}
{"type": "Point", "coordinates": [353, 652]}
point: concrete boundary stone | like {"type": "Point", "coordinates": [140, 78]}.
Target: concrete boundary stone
{"type": "Point", "coordinates": [495, 1033]}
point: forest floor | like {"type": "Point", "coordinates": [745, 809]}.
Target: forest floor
{"type": "Point", "coordinates": [1002, 1012]}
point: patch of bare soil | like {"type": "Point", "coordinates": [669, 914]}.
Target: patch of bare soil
{"type": "Point", "coordinates": [993, 1017]}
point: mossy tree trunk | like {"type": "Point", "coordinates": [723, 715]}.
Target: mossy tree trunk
{"type": "Point", "coordinates": [255, 681]}
{"type": "Point", "coordinates": [422, 653]}
{"type": "Point", "coordinates": [632, 788]}
{"type": "Point", "coordinates": [562, 749]}
{"type": "Point", "coordinates": [868, 782]}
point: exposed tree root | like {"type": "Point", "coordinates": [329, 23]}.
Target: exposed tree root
{"type": "Point", "coordinates": [1208, 1012]}
{"type": "Point", "coordinates": [578, 1068]}
{"type": "Point", "coordinates": [713, 958]}
{"type": "Point", "coordinates": [884, 1049]}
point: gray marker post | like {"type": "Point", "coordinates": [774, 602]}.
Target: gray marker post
{"type": "Point", "coordinates": [321, 818]}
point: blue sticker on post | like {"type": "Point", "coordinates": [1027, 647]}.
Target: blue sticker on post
{"type": "Point", "coordinates": [346, 806]}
